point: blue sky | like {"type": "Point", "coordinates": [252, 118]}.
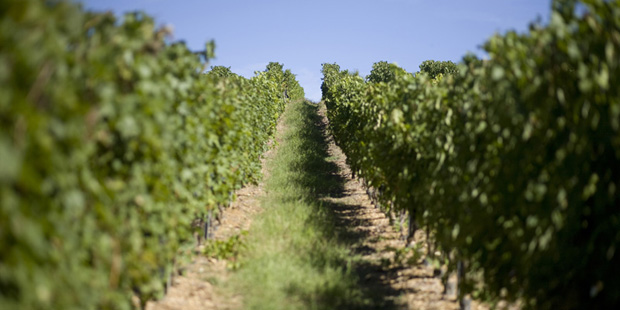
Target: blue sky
{"type": "Point", "coordinates": [303, 34]}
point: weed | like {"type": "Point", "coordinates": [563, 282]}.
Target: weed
{"type": "Point", "coordinates": [226, 249]}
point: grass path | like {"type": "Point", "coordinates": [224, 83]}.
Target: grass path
{"type": "Point", "coordinates": [295, 258]}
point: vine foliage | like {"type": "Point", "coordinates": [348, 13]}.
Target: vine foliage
{"type": "Point", "coordinates": [511, 162]}
{"type": "Point", "coordinates": [112, 142]}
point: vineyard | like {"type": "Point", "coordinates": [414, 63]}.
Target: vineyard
{"type": "Point", "coordinates": [112, 144]}
{"type": "Point", "coordinates": [120, 149]}
{"type": "Point", "coordinates": [511, 163]}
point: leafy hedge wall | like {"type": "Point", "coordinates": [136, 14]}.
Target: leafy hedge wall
{"type": "Point", "coordinates": [513, 162]}
{"type": "Point", "coordinates": [111, 143]}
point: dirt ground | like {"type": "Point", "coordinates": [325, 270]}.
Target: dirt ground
{"type": "Point", "coordinates": [397, 284]}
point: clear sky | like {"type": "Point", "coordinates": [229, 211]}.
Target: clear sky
{"type": "Point", "coordinates": [303, 34]}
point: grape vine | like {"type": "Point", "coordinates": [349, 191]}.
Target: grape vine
{"type": "Point", "coordinates": [112, 142]}
{"type": "Point", "coordinates": [512, 162]}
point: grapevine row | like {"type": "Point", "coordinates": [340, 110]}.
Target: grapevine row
{"type": "Point", "coordinates": [511, 162]}
{"type": "Point", "coordinates": [112, 142]}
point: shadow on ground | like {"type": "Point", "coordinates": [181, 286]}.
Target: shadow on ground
{"type": "Point", "coordinates": [321, 177]}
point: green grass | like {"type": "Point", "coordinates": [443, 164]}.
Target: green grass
{"type": "Point", "coordinates": [293, 258]}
